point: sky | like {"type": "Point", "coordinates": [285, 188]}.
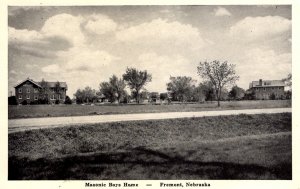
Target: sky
{"type": "Point", "coordinates": [85, 45]}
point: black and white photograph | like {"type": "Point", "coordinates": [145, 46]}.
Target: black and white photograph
{"type": "Point", "coordinates": [149, 92]}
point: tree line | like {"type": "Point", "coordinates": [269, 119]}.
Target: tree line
{"type": "Point", "coordinates": [216, 75]}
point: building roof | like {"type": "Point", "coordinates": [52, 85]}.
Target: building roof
{"type": "Point", "coordinates": [52, 84]}
{"type": "Point", "coordinates": [267, 83]}
{"type": "Point", "coordinates": [38, 84]}
{"type": "Point", "coordinates": [30, 80]}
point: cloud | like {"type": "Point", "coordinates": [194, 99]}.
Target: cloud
{"type": "Point", "coordinates": [220, 11]}
{"type": "Point", "coordinates": [65, 26]}
{"type": "Point", "coordinates": [266, 64]}
{"type": "Point", "coordinates": [52, 68]}
{"type": "Point", "coordinates": [162, 67]}
{"type": "Point", "coordinates": [35, 43]}
{"type": "Point", "coordinates": [160, 33]}
{"type": "Point", "coordinates": [13, 72]}
{"type": "Point", "coordinates": [85, 59]}
{"type": "Point", "coordinates": [255, 28]}
{"type": "Point", "coordinates": [100, 24]}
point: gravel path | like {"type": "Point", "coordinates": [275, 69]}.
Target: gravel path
{"type": "Point", "coordinates": [16, 125]}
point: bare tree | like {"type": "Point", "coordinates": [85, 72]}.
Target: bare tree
{"type": "Point", "coordinates": [219, 74]}
{"type": "Point", "coordinates": [288, 80]}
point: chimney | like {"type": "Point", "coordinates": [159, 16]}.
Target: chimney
{"type": "Point", "coordinates": [260, 82]}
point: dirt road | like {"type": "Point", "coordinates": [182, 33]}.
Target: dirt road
{"type": "Point", "coordinates": [16, 125]}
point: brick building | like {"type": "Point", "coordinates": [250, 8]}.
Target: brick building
{"type": "Point", "coordinates": [32, 91]}
{"type": "Point", "coordinates": [265, 89]}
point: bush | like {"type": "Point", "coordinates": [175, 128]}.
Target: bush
{"type": "Point", "coordinates": [57, 102]}
{"type": "Point", "coordinates": [24, 102]}
{"type": "Point", "coordinates": [68, 100]}
{"type": "Point", "coordinates": [43, 101]}
{"type": "Point", "coordinates": [34, 102]}
{"type": "Point", "coordinates": [272, 96]}
{"type": "Point", "coordinates": [12, 100]}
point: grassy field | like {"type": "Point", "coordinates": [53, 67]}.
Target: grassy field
{"type": "Point", "coordinates": [224, 147]}
{"type": "Point", "coordinates": [78, 110]}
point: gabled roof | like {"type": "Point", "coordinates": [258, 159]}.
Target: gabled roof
{"type": "Point", "coordinates": [52, 84]}
{"type": "Point", "coordinates": [38, 84]}
{"type": "Point", "coordinates": [30, 80]}
{"type": "Point", "coordinates": [267, 83]}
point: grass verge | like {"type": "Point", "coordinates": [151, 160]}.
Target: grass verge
{"type": "Point", "coordinates": [224, 147]}
{"type": "Point", "coordinates": [31, 111]}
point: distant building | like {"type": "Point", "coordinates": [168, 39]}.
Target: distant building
{"type": "Point", "coordinates": [32, 91]}
{"type": "Point", "coordinates": [267, 89]}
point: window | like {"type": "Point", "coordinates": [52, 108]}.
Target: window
{"type": "Point", "coordinates": [59, 97]}
{"type": "Point", "coordinates": [52, 90]}
{"type": "Point", "coordinates": [28, 96]}
{"type": "Point", "coordinates": [20, 90]}
{"type": "Point", "coordinates": [20, 96]}
{"type": "Point", "coordinates": [264, 88]}
{"type": "Point", "coordinates": [35, 90]}
{"type": "Point", "coordinates": [28, 90]}
{"type": "Point", "coordinates": [35, 97]}
{"type": "Point", "coordinates": [52, 97]}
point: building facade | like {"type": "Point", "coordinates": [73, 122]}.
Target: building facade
{"type": "Point", "coordinates": [33, 92]}
{"type": "Point", "coordinates": [267, 89]}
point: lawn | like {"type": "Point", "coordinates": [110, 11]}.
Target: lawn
{"type": "Point", "coordinates": [30, 111]}
{"type": "Point", "coordinates": [223, 147]}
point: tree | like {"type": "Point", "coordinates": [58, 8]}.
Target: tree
{"type": "Point", "coordinates": [163, 96]}
{"type": "Point", "coordinates": [68, 100]}
{"type": "Point", "coordinates": [57, 88]}
{"type": "Point", "coordinates": [86, 95]}
{"type": "Point", "coordinates": [288, 81]}
{"type": "Point", "coordinates": [236, 93]}
{"type": "Point", "coordinates": [219, 74]}
{"type": "Point", "coordinates": [181, 87]}
{"type": "Point", "coordinates": [136, 80]}
{"type": "Point", "coordinates": [250, 95]}
{"type": "Point", "coordinates": [44, 92]}
{"type": "Point", "coordinates": [207, 90]}
{"type": "Point", "coordinates": [114, 89]}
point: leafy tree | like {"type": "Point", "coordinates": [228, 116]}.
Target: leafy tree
{"type": "Point", "coordinates": [163, 96]}
{"type": "Point", "coordinates": [57, 88]}
{"type": "Point", "coordinates": [68, 100]}
{"type": "Point", "coordinates": [181, 87]}
{"type": "Point", "coordinates": [272, 96]}
{"type": "Point", "coordinates": [288, 94]}
{"type": "Point", "coordinates": [44, 92]}
{"type": "Point", "coordinates": [86, 95]}
{"type": "Point", "coordinates": [198, 94]}
{"type": "Point", "coordinates": [207, 90]}
{"type": "Point", "coordinates": [219, 74]}
{"type": "Point", "coordinates": [114, 89]}
{"type": "Point", "coordinates": [250, 95]}
{"type": "Point", "coordinates": [236, 93]}
{"type": "Point", "coordinates": [136, 80]}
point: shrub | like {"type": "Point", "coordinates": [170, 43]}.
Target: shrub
{"type": "Point", "coordinates": [12, 100]}
{"type": "Point", "coordinates": [68, 100]}
{"type": "Point", "coordinates": [24, 102]}
{"type": "Point", "coordinates": [34, 102]}
{"type": "Point", "coordinates": [272, 96]}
